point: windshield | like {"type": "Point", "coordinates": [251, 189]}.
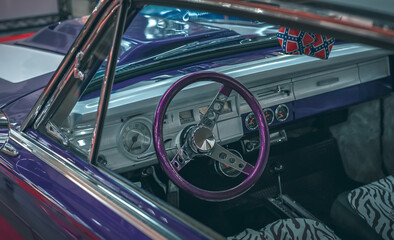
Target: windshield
{"type": "Point", "coordinates": [162, 30]}
{"type": "Point", "coordinates": [161, 34]}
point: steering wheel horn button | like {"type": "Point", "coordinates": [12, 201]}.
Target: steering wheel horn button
{"type": "Point", "coordinates": [203, 139]}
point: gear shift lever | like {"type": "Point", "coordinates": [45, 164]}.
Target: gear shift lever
{"type": "Point", "coordinates": [284, 203]}
{"type": "Point", "coordinates": [278, 169]}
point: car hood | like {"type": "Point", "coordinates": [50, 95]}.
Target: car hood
{"type": "Point", "coordinates": [24, 70]}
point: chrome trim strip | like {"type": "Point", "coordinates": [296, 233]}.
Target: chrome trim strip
{"type": "Point", "coordinates": [121, 206]}
{"type": "Point", "coordinates": [108, 82]}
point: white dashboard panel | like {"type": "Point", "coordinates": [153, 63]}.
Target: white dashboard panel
{"type": "Point", "coordinates": [273, 81]}
{"type": "Point", "coordinates": [372, 70]}
{"type": "Point", "coordinates": [327, 81]}
{"type": "Point", "coordinates": [230, 130]}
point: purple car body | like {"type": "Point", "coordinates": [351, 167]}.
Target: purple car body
{"type": "Point", "coordinates": [47, 199]}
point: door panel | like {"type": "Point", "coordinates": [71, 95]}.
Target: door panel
{"type": "Point", "coordinates": [52, 205]}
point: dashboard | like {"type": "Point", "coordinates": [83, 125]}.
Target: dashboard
{"type": "Point", "coordinates": [288, 88]}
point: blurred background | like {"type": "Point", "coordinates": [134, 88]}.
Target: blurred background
{"type": "Point", "coordinates": [20, 17]}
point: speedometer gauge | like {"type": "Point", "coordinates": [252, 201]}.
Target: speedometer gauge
{"type": "Point", "coordinates": [269, 115]}
{"type": "Point", "coordinates": [135, 137]}
{"type": "Point", "coordinates": [250, 122]}
{"type": "Point", "coordinates": [282, 112]}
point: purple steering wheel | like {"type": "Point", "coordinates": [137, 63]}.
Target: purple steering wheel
{"type": "Point", "coordinates": [200, 139]}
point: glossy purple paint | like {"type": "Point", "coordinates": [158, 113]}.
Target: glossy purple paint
{"type": "Point", "coordinates": [10, 92]}
{"type": "Point", "coordinates": [54, 206]}
{"type": "Point", "coordinates": [327, 101]}
{"type": "Point", "coordinates": [226, 91]}
{"type": "Point", "coordinates": [18, 110]}
{"type": "Point", "coordinates": [377, 88]}
{"type": "Point", "coordinates": [56, 38]}
{"type": "Point", "coordinates": [172, 173]}
{"type": "Point", "coordinates": [120, 226]}
{"type": "Point", "coordinates": [343, 97]}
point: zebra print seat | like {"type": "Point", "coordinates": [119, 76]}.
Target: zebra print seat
{"type": "Point", "coordinates": [298, 228]}
{"type": "Point", "coordinates": [375, 204]}
{"type": "Point", "coordinates": [367, 212]}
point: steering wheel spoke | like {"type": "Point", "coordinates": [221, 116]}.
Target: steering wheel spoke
{"type": "Point", "coordinates": [228, 158]}
{"type": "Point", "coordinates": [182, 158]}
{"type": "Point", "coordinates": [214, 110]}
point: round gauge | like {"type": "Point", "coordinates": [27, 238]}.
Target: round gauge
{"type": "Point", "coordinates": [135, 137]}
{"type": "Point", "coordinates": [282, 112]}
{"type": "Point", "coordinates": [269, 115]}
{"type": "Point", "coordinates": [250, 122]}
{"type": "Point", "coordinates": [225, 170]}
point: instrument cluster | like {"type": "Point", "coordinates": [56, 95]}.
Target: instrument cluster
{"type": "Point", "coordinates": [273, 115]}
{"type": "Point", "coordinates": [135, 136]}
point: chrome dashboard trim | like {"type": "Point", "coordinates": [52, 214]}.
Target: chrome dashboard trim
{"type": "Point", "coordinates": [121, 206]}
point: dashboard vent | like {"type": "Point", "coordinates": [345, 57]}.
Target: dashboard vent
{"type": "Point", "coordinates": [275, 92]}
{"type": "Point", "coordinates": [271, 94]}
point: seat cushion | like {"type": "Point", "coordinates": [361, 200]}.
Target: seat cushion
{"type": "Point", "coordinates": [375, 204]}
{"type": "Point", "coordinates": [298, 228]}
{"type": "Point", "coordinates": [348, 222]}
